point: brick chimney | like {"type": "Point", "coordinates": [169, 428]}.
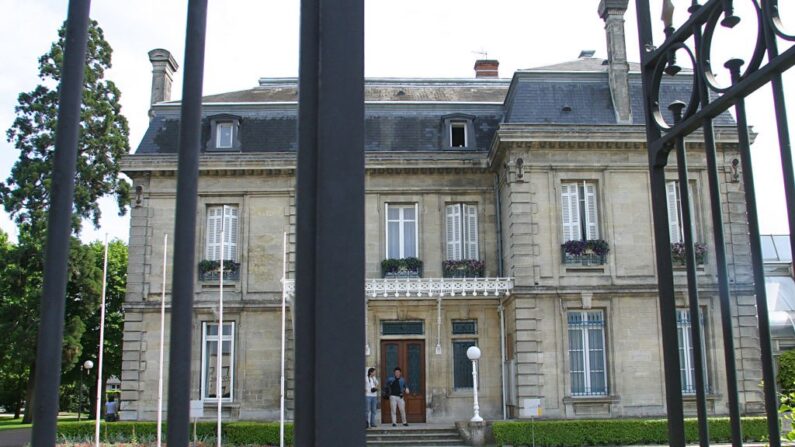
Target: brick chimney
{"type": "Point", "coordinates": [163, 68]}
{"type": "Point", "coordinates": [487, 68]}
{"type": "Point", "coordinates": [612, 12]}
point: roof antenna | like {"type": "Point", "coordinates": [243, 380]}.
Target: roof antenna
{"type": "Point", "coordinates": [483, 53]}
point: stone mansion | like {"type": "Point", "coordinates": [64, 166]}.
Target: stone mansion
{"type": "Point", "coordinates": [509, 213]}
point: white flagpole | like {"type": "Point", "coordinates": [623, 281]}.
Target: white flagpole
{"type": "Point", "coordinates": [284, 308]}
{"type": "Point", "coordinates": [162, 344]}
{"type": "Point", "coordinates": [218, 393]}
{"type": "Point", "coordinates": [101, 343]}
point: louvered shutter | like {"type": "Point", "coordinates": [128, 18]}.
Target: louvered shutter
{"type": "Point", "coordinates": [230, 232]}
{"type": "Point", "coordinates": [214, 219]}
{"type": "Point", "coordinates": [674, 224]}
{"type": "Point", "coordinates": [591, 211]}
{"type": "Point", "coordinates": [471, 232]}
{"type": "Point", "coordinates": [453, 225]}
{"type": "Point", "coordinates": [570, 211]}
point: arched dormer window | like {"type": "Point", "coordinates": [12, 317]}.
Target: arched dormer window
{"type": "Point", "coordinates": [224, 133]}
{"type": "Point", "coordinates": [458, 132]}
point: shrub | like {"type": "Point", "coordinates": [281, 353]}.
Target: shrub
{"type": "Point", "coordinates": [786, 371]}
{"type": "Point", "coordinates": [598, 247]}
{"type": "Point", "coordinates": [616, 431]}
{"type": "Point", "coordinates": [234, 433]}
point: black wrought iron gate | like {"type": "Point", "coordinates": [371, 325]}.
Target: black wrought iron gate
{"type": "Point", "coordinates": [329, 317]}
{"type": "Point", "coordinates": [693, 40]}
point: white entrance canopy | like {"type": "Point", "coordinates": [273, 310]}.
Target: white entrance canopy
{"type": "Point", "coordinates": [418, 288]}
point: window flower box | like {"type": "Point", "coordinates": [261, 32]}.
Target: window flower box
{"type": "Point", "coordinates": [465, 268]}
{"type": "Point", "coordinates": [209, 270]}
{"type": "Point", "coordinates": [401, 268]}
{"type": "Point", "coordinates": [679, 256]}
{"type": "Point", "coordinates": [588, 252]}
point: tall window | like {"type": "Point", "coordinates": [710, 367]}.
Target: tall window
{"type": "Point", "coordinates": [222, 218]}
{"type": "Point", "coordinates": [224, 136]}
{"type": "Point", "coordinates": [587, 362]}
{"type": "Point", "coordinates": [209, 378]}
{"type": "Point", "coordinates": [462, 231]}
{"type": "Point", "coordinates": [579, 211]}
{"type": "Point", "coordinates": [687, 366]}
{"type": "Point", "coordinates": [462, 366]}
{"type": "Point", "coordinates": [675, 222]}
{"type": "Point", "coordinates": [401, 231]}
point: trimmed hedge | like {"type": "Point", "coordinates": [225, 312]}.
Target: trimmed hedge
{"type": "Point", "coordinates": [617, 431]}
{"type": "Point", "coordinates": [234, 433]}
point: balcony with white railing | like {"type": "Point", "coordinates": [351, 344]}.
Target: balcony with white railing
{"type": "Point", "coordinates": [425, 288]}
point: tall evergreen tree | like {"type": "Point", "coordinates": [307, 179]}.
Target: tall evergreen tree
{"type": "Point", "coordinates": [26, 196]}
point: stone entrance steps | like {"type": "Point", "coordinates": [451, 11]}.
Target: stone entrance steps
{"type": "Point", "coordinates": [414, 436]}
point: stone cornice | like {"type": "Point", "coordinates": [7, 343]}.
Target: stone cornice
{"type": "Point", "coordinates": [579, 137]}
{"type": "Point", "coordinates": [283, 163]}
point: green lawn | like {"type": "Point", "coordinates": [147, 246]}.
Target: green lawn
{"type": "Point", "coordinates": [7, 422]}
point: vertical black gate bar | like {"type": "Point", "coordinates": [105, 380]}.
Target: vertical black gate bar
{"type": "Point", "coordinates": [720, 261]}
{"type": "Point", "coordinates": [692, 282]}
{"type": "Point", "coordinates": [184, 265]}
{"type": "Point", "coordinates": [780, 107]}
{"type": "Point", "coordinates": [771, 405]}
{"type": "Point", "coordinates": [330, 221]}
{"type": "Point", "coordinates": [59, 228]}
{"type": "Point", "coordinates": [665, 279]}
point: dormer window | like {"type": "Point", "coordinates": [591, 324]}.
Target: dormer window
{"type": "Point", "coordinates": [224, 133]}
{"type": "Point", "coordinates": [224, 136]}
{"type": "Point", "coordinates": [458, 132]}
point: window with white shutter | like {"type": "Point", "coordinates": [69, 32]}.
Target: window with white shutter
{"type": "Point", "coordinates": [401, 231]}
{"type": "Point", "coordinates": [675, 222]}
{"type": "Point", "coordinates": [579, 211]}
{"type": "Point", "coordinates": [461, 228]}
{"type": "Point", "coordinates": [222, 218]}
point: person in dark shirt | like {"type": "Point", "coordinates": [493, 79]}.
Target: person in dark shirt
{"type": "Point", "coordinates": [397, 389]}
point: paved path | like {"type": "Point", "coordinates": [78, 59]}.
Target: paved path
{"type": "Point", "coordinates": [14, 438]}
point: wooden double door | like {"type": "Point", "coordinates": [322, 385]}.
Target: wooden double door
{"type": "Point", "coordinates": [409, 355]}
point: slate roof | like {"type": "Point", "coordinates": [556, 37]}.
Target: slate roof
{"type": "Point", "coordinates": [377, 90]}
{"type": "Point", "coordinates": [407, 114]}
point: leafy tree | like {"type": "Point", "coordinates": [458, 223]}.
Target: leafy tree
{"type": "Point", "coordinates": [103, 141]}
{"type": "Point", "coordinates": [26, 196]}
{"type": "Point", "coordinates": [114, 319]}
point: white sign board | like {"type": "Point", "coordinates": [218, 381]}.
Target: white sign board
{"type": "Point", "coordinates": [196, 409]}
{"type": "Point", "coordinates": [531, 408]}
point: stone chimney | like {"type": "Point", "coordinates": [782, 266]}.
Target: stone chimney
{"type": "Point", "coordinates": [487, 68]}
{"type": "Point", "coordinates": [612, 12]}
{"type": "Point", "coordinates": [163, 68]}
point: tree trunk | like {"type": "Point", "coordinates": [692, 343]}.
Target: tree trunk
{"type": "Point", "coordinates": [28, 418]}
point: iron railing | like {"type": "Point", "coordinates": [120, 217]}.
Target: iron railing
{"type": "Point", "coordinates": [707, 101]}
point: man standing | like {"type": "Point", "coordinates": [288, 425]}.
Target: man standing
{"type": "Point", "coordinates": [397, 387]}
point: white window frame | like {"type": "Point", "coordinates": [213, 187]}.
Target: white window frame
{"type": "Point", "coordinates": [230, 222]}
{"type": "Point", "coordinates": [587, 223]}
{"type": "Point", "coordinates": [218, 141]}
{"type": "Point", "coordinates": [459, 124]}
{"type": "Point", "coordinates": [214, 338]}
{"type": "Point", "coordinates": [401, 227]}
{"type": "Point", "coordinates": [685, 342]}
{"type": "Point", "coordinates": [585, 352]}
{"type": "Point", "coordinates": [673, 192]}
{"type": "Point", "coordinates": [467, 243]}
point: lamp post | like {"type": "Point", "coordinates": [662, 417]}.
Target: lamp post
{"type": "Point", "coordinates": [473, 353]}
{"type": "Point", "coordinates": [87, 365]}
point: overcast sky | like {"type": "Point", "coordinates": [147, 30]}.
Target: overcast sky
{"type": "Point", "coordinates": [248, 39]}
